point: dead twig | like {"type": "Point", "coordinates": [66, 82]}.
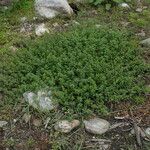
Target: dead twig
{"type": "Point", "coordinates": [137, 132]}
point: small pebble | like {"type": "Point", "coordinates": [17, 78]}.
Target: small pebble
{"type": "Point", "coordinates": [37, 122]}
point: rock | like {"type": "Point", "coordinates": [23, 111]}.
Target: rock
{"type": "Point", "coordinates": [145, 42]}
{"type": "Point", "coordinates": [124, 23]}
{"type": "Point", "coordinates": [51, 8]}
{"type": "Point", "coordinates": [42, 101]}
{"type": "Point", "coordinates": [75, 22]}
{"type": "Point", "coordinates": [41, 29]}
{"type": "Point", "coordinates": [145, 7]}
{"type": "Point", "coordinates": [98, 25]}
{"type": "Point", "coordinates": [147, 131]}
{"type": "Point", "coordinates": [13, 48]}
{"type": "Point", "coordinates": [142, 33]}
{"type": "Point", "coordinates": [75, 123]}
{"type": "Point", "coordinates": [139, 10]}
{"type": "Point", "coordinates": [124, 5]}
{"type": "Point", "coordinates": [23, 19]}
{"type": "Point", "coordinates": [55, 25]}
{"type": "Point", "coordinates": [65, 126]}
{"type": "Point", "coordinates": [26, 117]}
{"type": "Point", "coordinates": [37, 122]}
{"type": "Point", "coordinates": [96, 126]}
{"type": "Point", "coordinates": [3, 124]}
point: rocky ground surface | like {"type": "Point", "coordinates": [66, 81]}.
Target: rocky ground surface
{"type": "Point", "coordinates": [126, 127]}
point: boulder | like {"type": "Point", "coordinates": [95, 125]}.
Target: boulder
{"type": "Point", "coordinates": [51, 8]}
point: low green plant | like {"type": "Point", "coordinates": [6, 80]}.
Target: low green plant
{"type": "Point", "coordinates": [108, 3]}
{"type": "Point", "coordinates": [21, 5]}
{"type": "Point", "coordinates": [86, 68]}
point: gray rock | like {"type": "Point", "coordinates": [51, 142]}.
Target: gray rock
{"type": "Point", "coordinates": [41, 29]}
{"type": "Point", "coordinates": [65, 126]}
{"type": "Point", "coordinates": [42, 101]}
{"type": "Point", "coordinates": [147, 131]}
{"type": "Point", "coordinates": [139, 10]}
{"type": "Point", "coordinates": [145, 42]}
{"type": "Point", "coordinates": [37, 122]}
{"type": "Point", "coordinates": [51, 8]}
{"type": "Point", "coordinates": [124, 5]}
{"type": "Point", "coordinates": [96, 126]}
{"type": "Point", "coordinates": [3, 124]}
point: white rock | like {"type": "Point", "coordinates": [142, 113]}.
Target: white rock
{"type": "Point", "coordinates": [31, 98]}
{"type": "Point", "coordinates": [98, 25]}
{"type": "Point", "coordinates": [75, 22]}
{"type": "Point", "coordinates": [41, 29]}
{"type": "Point", "coordinates": [3, 123]}
{"type": "Point", "coordinates": [124, 5]}
{"type": "Point", "coordinates": [65, 126]}
{"type": "Point", "coordinates": [96, 126]}
{"type": "Point", "coordinates": [139, 10]}
{"type": "Point", "coordinates": [42, 101]}
{"type": "Point", "coordinates": [145, 42]}
{"type": "Point", "coordinates": [51, 8]}
{"type": "Point", "coordinates": [147, 131]}
{"type": "Point", "coordinates": [55, 25]}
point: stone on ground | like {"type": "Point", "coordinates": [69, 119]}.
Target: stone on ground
{"type": "Point", "coordinates": [41, 101]}
{"type": "Point", "coordinates": [3, 124]}
{"type": "Point", "coordinates": [146, 42]}
{"type": "Point", "coordinates": [51, 8]}
{"type": "Point", "coordinates": [41, 29]}
{"type": "Point", "coordinates": [65, 126]}
{"type": "Point", "coordinates": [147, 131]}
{"type": "Point", "coordinates": [37, 122]}
{"type": "Point", "coordinates": [96, 126]}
